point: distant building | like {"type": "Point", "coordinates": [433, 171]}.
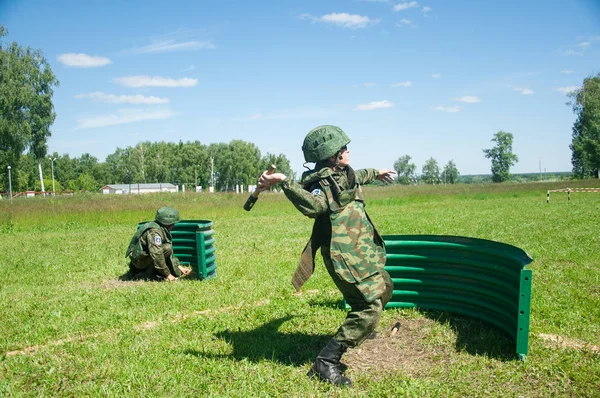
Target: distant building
{"type": "Point", "coordinates": [121, 189]}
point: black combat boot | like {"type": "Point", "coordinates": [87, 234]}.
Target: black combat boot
{"type": "Point", "coordinates": [327, 364]}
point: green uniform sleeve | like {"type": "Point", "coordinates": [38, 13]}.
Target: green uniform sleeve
{"type": "Point", "coordinates": [311, 204]}
{"type": "Point", "coordinates": [366, 176]}
{"type": "Point", "coordinates": [157, 253]}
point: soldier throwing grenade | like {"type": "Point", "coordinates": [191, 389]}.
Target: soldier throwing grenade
{"type": "Point", "coordinates": [353, 251]}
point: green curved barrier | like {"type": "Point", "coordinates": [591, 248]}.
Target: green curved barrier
{"type": "Point", "coordinates": [477, 278]}
{"type": "Point", "coordinates": [193, 244]}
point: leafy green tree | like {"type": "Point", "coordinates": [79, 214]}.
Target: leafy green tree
{"type": "Point", "coordinates": [84, 182]}
{"type": "Point", "coordinates": [237, 163]}
{"type": "Point", "coordinates": [26, 109]}
{"type": "Point", "coordinates": [585, 144]}
{"type": "Point", "coordinates": [405, 169]}
{"type": "Point", "coordinates": [450, 173]}
{"type": "Point", "coordinates": [431, 172]}
{"type": "Point", "coordinates": [502, 156]}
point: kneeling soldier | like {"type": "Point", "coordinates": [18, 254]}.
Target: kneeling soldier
{"type": "Point", "coordinates": [150, 251]}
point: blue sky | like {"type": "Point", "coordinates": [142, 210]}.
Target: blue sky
{"type": "Point", "coordinates": [434, 78]}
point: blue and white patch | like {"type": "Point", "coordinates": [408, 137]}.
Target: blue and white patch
{"type": "Point", "coordinates": [316, 191]}
{"type": "Point", "coordinates": [157, 240]}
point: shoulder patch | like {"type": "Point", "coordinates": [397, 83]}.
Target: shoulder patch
{"type": "Point", "coordinates": [157, 240]}
{"type": "Point", "coordinates": [316, 191]}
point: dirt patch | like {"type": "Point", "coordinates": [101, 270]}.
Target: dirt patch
{"type": "Point", "coordinates": [403, 351]}
{"type": "Point", "coordinates": [553, 340]}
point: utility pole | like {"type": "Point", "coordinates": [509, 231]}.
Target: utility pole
{"type": "Point", "coordinates": [52, 166]}
{"type": "Point", "coordinates": [9, 184]}
{"type": "Point", "coordinates": [212, 174]}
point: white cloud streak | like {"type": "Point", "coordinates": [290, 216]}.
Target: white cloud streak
{"type": "Point", "coordinates": [374, 105]}
{"type": "Point", "coordinates": [436, 76]}
{"type": "Point", "coordinates": [83, 60]}
{"type": "Point", "coordinates": [173, 45]}
{"type": "Point", "coordinates": [402, 84]}
{"type": "Point", "coordinates": [154, 81]}
{"type": "Point", "coordinates": [426, 9]}
{"type": "Point", "coordinates": [189, 68]}
{"type": "Point", "coordinates": [406, 22]}
{"type": "Point", "coordinates": [344, 20]}
{"type": "Point", "coordinates": [123, 99]}
{"type": "Point", "coordinates": [449, 109]}
{"type": "Point", "coordinates": [567, 89]}
{"type": "Point", "coordinates": [524, 91]}
{"type": "Point", "coordinates": [469, 99]}
{"type": "Point", "coordinates": [123, 116]}
{"type": "Point", "coordinates": [405, 6]}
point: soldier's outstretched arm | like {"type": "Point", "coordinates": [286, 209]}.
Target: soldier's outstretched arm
{"type": "Point", "coordinates": [310, 203]}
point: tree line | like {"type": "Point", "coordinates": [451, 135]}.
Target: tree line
{"type": "Point", "coordinates": [501, 156]}
{"type": "Point", "coordinates": [191, 163]}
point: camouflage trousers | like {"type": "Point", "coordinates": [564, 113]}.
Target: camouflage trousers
{"type": "Point", "coordinates": [363, 317]}
{"type": "Point", "coordinates": [145, 269]}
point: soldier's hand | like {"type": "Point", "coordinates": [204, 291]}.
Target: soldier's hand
{"type": "Point", "coordinates": [266, 181]}
{"type": "Point", "coordinates": [171, 278]}
{"type": "Point", "coordinates": [386, 176]}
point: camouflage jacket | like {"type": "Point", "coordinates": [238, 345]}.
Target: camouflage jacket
{"type": "Point", "coordinates": [157, 244]}
{"type": "Point", "coordinates": [335, 200]}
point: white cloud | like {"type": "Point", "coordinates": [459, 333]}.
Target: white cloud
{"type": "Point", "coordinates": [189, 68]}
{"type": "Point", "coordinates": [83, 60]}
{"type": "Point", "coordinates": [173, 45]}
{"type": "Point", "coordinates": [567, 89]}
{"type": "Point", "coordinates": [405, 22]}
{"type": "Point", "coordinates": [578, 48]}
{"type": "Point", "coordinates": [402, 84]}
{"type": "Point", "coordinates": [524, 91]}
{"type": "Point", "coordinates": [345, 20]}
{"type": "Point", "coordinates": [404, 6]}
{"type": "Point", "coordinates": [436, 76]}
{"type": "Point", "coordinates": [123, 116]}
{"type": "Point", "coordinates": [469, 99]}
{"type": "Point", "coordinates": [449, 109]}
{"type": "Point", "coordinates": [154, 81]}
{"type": "Point", "coordinates": [123, 99]}
{"type": "Point", "coordinates": [426, 9]}
{"type": "Point", "coordinates": [369, 84]}
{"type": "Point", "coordinates": [570, 51]}
{"type": "Point", "coordinates": [374, 105]}
{"type": "Point", "coordinates": [567, 72]}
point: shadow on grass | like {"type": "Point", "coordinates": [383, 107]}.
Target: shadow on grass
{"type": "Point", "coordinates": [477, 337]}
{"type": "Point", "coordinates": [267, 342]}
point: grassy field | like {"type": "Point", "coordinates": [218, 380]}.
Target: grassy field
{"type": "Point", "coordinates": [69, 327]}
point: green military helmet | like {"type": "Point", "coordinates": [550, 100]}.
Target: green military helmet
{"type": "Point", "coordinates": [167, 216]}
{"type": "Point", "coordinates": [323, 142]}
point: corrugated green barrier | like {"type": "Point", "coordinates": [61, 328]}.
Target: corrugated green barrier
{"type": "Point", "coordinates": [194, 245]}
{"type": "Point", "coordinates": [477, 278]}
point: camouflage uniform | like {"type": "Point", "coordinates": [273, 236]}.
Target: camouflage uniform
{"type": "Point", "coordinates": [151, 249]}
{"type": "Point", "coordinates": [352, 250]}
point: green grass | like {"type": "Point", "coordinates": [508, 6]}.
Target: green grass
{"type": "Point", "coordinates": [70, 328]}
